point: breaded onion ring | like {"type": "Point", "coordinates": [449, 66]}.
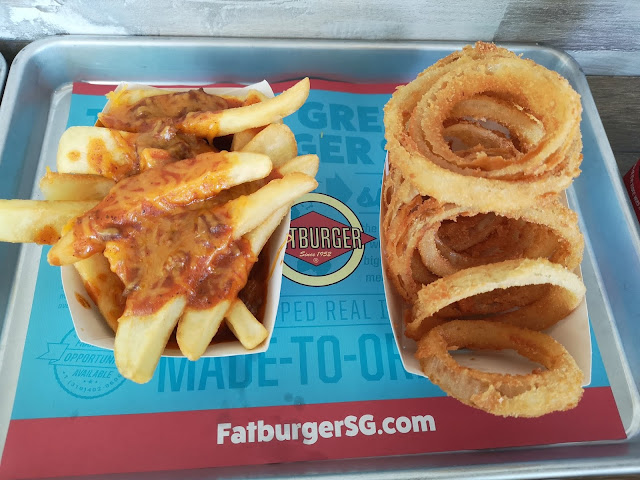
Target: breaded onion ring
{"type": "Point", "coordinates": [564, 295]}
{"type": "Point", "coordinates": [401, 233]}
{"type": "Point", "coordinates": [524, 127]}
{"type": "Point", "coordinates": [545, 230]}
{"type": "Point", "coordinates": [556, 388]}
{"type": "Point", "coordinates": [416, 117]}
{"type": "Point", "coordinates": [424, 239]}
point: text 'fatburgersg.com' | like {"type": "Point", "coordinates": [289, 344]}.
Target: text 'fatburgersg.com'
{"type": "Point", "coordinates": [310, 432]}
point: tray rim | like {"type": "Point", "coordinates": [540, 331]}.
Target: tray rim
{"type": "Point", "coordinates": [3, 73]}
{"type": "Point", "coordinates": [26, 54]}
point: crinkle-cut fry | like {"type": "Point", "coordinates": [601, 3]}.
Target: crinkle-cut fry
{"type": "Point", "coordinates": [96, 150]}
{"type": "Point", "coordinates": [225, 122]}
{"type": "Point", "coordinates": [246, 328]}
{"type": "Point", "coordinates": [199, 178]}
{"type": "Point", "coordinates": [197, 327]}
{"type": "Point", "coordinates": [74, 186]}
{"type": "Point", "coordinates": [277, 141]}
{"type": "Point", "coordinates": [103, 286]}
{"type": "Point", "coordinates": [247, 212]}
{"type": "Point", "coordinates": [38, 221]}
{"type": "Point", "coordinates": [140, 340]}
{"type": "Point", "coordinates": [307, 164]}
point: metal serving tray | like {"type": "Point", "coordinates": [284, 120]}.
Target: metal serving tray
{"type": "Point", "coordinates": [34, 110]}
{"type": "Point", "coordinates": [3, 73]}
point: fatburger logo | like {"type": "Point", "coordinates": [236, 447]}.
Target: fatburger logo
{"type": "Point", "coordinates": [316, 239]}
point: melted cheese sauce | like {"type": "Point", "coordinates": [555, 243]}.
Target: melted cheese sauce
{"type": "Point", "coordinates": [163, 241]}
{"type": "Point", "coordinates": [144, 115]}
{"type": "Point", "coordinates": [155, 140]}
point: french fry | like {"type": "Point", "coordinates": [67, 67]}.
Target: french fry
{"type": "Point", "coordinates": [148, 335]}
{"type": "Point", "coordinates": [201, 177]}
{"type": "Point", "coordinates": [127, 96]}
{"type": "Point", "coordinates": [276, 141]}
{"type": "Point", "coordinates": [103, 286]}
{"type": "Point", "coordinates": [71, 186]}
{"type": "Point", "coordinates": [130, 96]}
{"type": "Point", "coordinates": [140, 340]}
{"type": "Point", "coordinates": [38, 221]}
{"type": "Point", "coordinates": [259, 236]}
{"type": "Point", "coordinates": [96, 150]}
{"type": "Point", "coordinates": [307, 164]}
{"type": "Point", "coordinates": [246, 214]}
{"type": "Point", "coordinates": [154, 157]}
{"type": "Point", "coordinates": [196, 326]}
{"type": "Point", "coordinates": [225, 122]}
{"type": "Point", "coordinates": [240, 139]}
{"type": "Point", "coordinates": [196, 329]}
{"type": "Point", "coordinates": [253, 96]}
{"type": "Point", "coordinates": [246, 328]}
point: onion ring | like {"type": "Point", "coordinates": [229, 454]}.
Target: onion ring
{"type": "Point", "coordinates": [566, 292]}
{"type": "Point", "coordinates": [416, 114]}
{"type": "Point", "coordinates": [401, 233]}
{"type": "Point", "coordinates": [557, 388]}
{"type": "Point", "coordinates": [547, 230]}
{"type": "Point", "coordinates": [417, 254]}
{"type": "Point", "coordinates": [523, 126]}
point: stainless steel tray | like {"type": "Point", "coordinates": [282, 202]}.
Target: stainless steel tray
{"type": "Point", "coordinates": [3, 73]}
{"type": "Point", "coordinates": [33, 114]}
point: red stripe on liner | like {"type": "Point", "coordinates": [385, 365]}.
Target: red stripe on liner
{"type": "Point", "coordinates": [334, 86]}
{"type": "Point", "coordinates": [316, 84]}
{"type": "Point", "coordinates": [56, 447]}
{"type": "Point", "coordinates": [81, 88]}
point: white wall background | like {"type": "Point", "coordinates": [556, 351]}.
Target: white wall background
{"type": "Point", "coordinates": [603, 35]}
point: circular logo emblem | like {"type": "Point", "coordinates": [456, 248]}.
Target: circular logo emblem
{"type": "Point", "coordinates": [82, 370]}
{"type": "Point", "coordinates": [326, 241]}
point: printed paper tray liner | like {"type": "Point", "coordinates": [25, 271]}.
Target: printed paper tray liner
{"type": "Point", "coordinates": [331, 384]}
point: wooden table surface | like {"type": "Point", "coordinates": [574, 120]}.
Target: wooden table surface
{"type": "Point", "coordinates": [618, 102]}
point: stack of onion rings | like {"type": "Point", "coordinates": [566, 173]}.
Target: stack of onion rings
{"type": "Point", "coordinates": [481, 145]}
{"type": "Point", "coordinates": [537, 106]}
